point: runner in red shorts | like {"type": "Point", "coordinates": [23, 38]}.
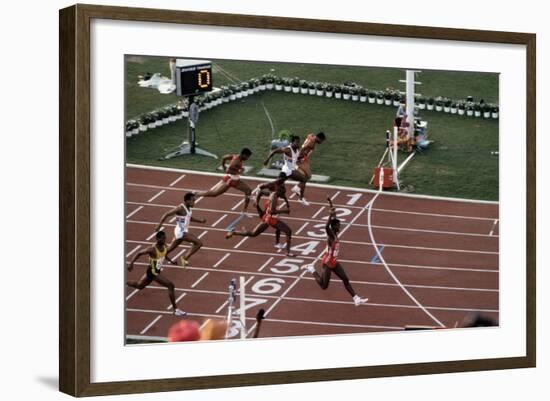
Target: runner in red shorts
{"type": "Point", "coordinates": [232, 178]}
{"type": "Point", "coordinates": [269, 218]}
{"type": "Point", "coordinates": [330, 261]}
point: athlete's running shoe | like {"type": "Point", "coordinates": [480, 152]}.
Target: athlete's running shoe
{"type": "Point", "coordinates": [296, 190]}
{"type": "Point", "coordinates": [303, 201]}
{"type": "Point", "coordinates": [229, 234]}
{"type": "Point", "coordinates": [280, 246]}
{"type": "Point", "coordinates": [179, 312]}
{"type": "Point", "coordinates": [184, 262]}
{"type": "Point", "coordinates": [359, 301]}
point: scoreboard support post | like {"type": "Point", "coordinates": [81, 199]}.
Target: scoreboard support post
{"type": "Point", "coordinates": [192, 77]}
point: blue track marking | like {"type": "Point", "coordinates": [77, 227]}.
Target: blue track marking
{"type": "Point", "coordinates": [234, 223]}
{"type": "Point", "coordinates": [375, 258]}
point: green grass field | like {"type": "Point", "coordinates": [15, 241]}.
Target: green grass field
{"type": "Point", "coordinates": [458, 164]}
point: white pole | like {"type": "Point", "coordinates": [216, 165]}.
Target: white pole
{"type": "Point", "coordinates": [410, 102]}
{"type": "Point", "coordinates": [394, 161]}
{"type": "Point", "coordinates": [242, 299]}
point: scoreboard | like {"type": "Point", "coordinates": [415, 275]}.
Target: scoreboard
{"type": "Point", "coordinates": [193, 77]}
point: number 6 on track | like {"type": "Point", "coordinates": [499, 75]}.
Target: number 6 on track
{"type": "Point", "coordinates": [268, 286]}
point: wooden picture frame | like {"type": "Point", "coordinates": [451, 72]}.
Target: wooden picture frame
{"type": "Point", "coordinates": [75, 208]}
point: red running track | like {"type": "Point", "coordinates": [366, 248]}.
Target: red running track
{"type": "Point", "coordinates": [439, 260]}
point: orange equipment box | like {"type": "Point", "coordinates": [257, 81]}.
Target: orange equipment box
{"type": "Point", "coordinates": [387, 178]}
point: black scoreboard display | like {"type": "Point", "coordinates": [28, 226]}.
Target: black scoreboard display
{"type": "Point", "coordinates": [193, 77]}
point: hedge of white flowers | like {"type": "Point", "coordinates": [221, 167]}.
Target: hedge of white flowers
{"type": "Point", "coordinates": [346, 91]}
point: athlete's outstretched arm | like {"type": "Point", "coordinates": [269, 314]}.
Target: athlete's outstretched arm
{"type": "Point", "coordinates": [273, 153]}
{"type": "Point", "coordinates": [195, 220]}
{"type": "Point", "coordinates": [166, 215]}
{"type": "Point", "coordinates": [148, 251]}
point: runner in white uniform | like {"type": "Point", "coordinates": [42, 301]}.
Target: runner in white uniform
{"type": "Point", "coordinates": [184, 218]}
{"type": "Point", "coordinates": [290, 160]}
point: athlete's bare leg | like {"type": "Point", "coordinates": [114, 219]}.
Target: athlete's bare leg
{"type": "Point", "coordinates": [243, 187]}
{"type": "Point", "coordinates": [216, 190]}
{"type": "Point", "coordinates": [170, 286]}
{"type": "Point", "coordinates": [143, 282]}
{"type": "Point", "coordinates": [196, 245]}
{"type": "Point", "coordinates": [323, 280]}
{"type": "Point", "coordinates": [260, 228]}
{"type": "Point", "coordinates": [175, 243]}
{"type": "Point", "coordinates": [339, 271]}
{"type": "Point", "coordinates": [282, 226]}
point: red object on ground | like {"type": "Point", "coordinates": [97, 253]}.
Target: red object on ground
{"type": "Point", "coordinates": [184, 330]}
{"type": "Point", "coordinates": [387, 179]}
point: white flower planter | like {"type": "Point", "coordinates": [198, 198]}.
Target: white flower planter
{"type": "Point", "coordinates": [262, 87]}
{"type": "Point", "coordinates": [388, 102]}
{"type": "Point", "coordinates": [338, 95]}
{"type": "Point", "coordinates": [379, 101]}
{"type": "Point", "coordinates": [269, 86]}
{"type": "Point", "coordinates": [461, 112]}
{"type": "Point", "coordinates": [303, 91]}
{"type": "Point", "coordinates": [178, 116]}
{"type": "Point", "coordinates": [319, 92]}
{"type": "Point", "coordinates": [151, 125]}
{"type": "Point", "coordinates": [346, 96]}
{"type": "Point", "coordinates": [143, 128]}
{"type": "Point", "coordinates": [135, 131]}
{"type": "Point", "coordinates": [438, 108]}
{"type": "Point", "coordinates": [447, 109]}
{"type": "Point", "coordinates": [421, 106]}
{"type": "Point", "coordinates": [278, 87]}
{"type": "Point", "coordinates": [477, 113]}
{"type": "Point", "coordinates": [312, 91]}
{"type": "Point", "coordinates": [430, 106]}
{"type": "Point", "coordinates": [363, 99]}
{"type": "Point", "coordinates": [372, 100]}
{"type": "Point", "coordinates": [172, 119]}
{"type": "Point", "coordinates": [128, 134]}
{"type": "Point", "coordinates": [232, 96]}
{"type": "Point", "coordinates": [287, 88]}
{"type": "Point", "coordinates": [225, 99]}
{"type": "Point", "coordinates": [469, 113]}
{"type": "Point", "coordinates": [166, 120]}
{"type": "Point", "coordinates": [250, 91]}
{"type": "Point", "coordinates": [244, 93]}
{"type": "Point", "coordinates": [329, 94]}
{"type": "Point", "coordinates": [454, 110]}
{"type": "Point", "coordinates": [355, 98]}
{"type": "Point", "coordinates": [295, 89]}
{"type": "Point", "coordinates": [396, 103]}
{"type": "Point", "coordinates": [494, 115]}
{"type": "Point", "coordinates": [185, 113]}
{"type": "Point", "coordinates": [238, 95]}
{"type": "Point", "coordinates": [487, 114]}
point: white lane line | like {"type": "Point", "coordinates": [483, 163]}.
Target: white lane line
{"type": "Point", "coordinates": [154, 234]}
{"type": "Point", "coordinates": [219, 262]}
{"type": "Point", "coordinates": [381, 258]}
{"type": "Point", "coordinates": [202, 234]}
{"type": "Point", "coordinates": [336, 205]}
{"type": "Point", "coordinates": [219, 220]}
{"type": "Point", "coordinates": [199, 280]}
{"type": "Point", "coordinates": [423, 248]}
{"type": "Point", "coordinates": [132, 294]}
{"type": "Point", "coordinates": [370, 326]}
{"type": "Point", "coordinates": [493, 227]}
{"type": "Point", "coordinates": [343, 222]}
{"type": "Point", "coordinates": [301, 228]}
{"type": "Point", "coordinates": [133, 250]}
{"type": "Point", "coordinates": [134, 212]}
{"type": "Point", "coordinates": [156, 196]}
{"type": "Point", "coordinates": [335, 195]}
{"type": "Point", "coordinates": [358, 282]}
{"type": "Point", "coordinates": [221, 307]}
{"type": "Point", "coordinates": [177, 180]}
{"type": "Point", "coordinates": [151, 324]}
{"type": "Point", "coordinates": [318, 212]}
{"type": "Point", "coordinates": [343, 260]}
{"type": "Point", "coordinates": [240, 242]}
{"type": "Point", "coordinates": [238, 204]}
{"type": "Point", "coordinates": [265, 264]}
{"type": "Point", "coordinates": [332, 301]}
{"type": "Point", "coordinates": [183, 294]}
